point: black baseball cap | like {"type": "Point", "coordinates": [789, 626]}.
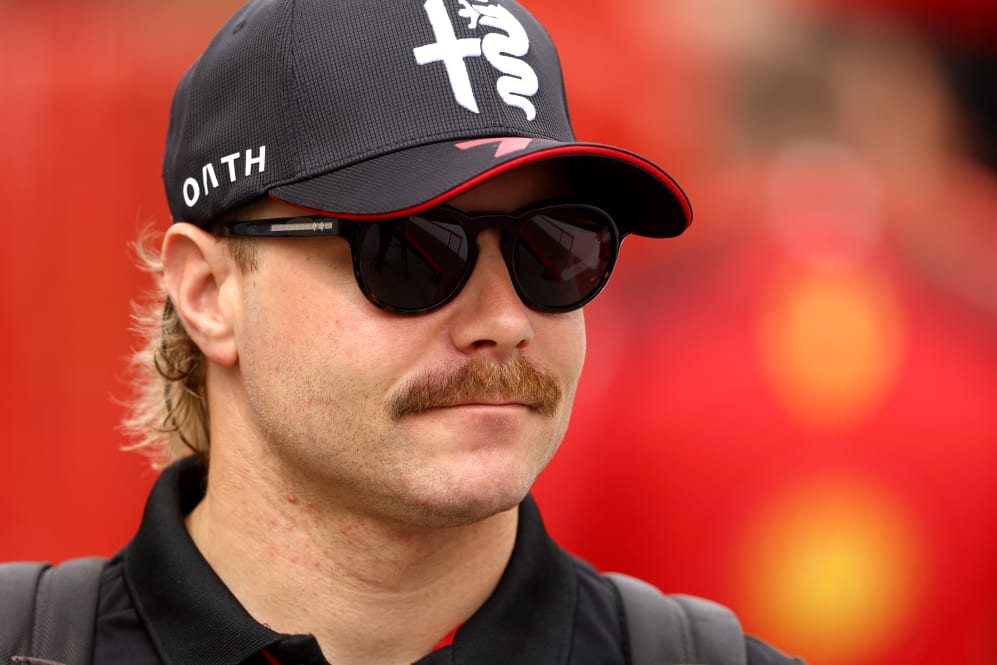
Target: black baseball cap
{"type": "Point", "coordinates": [366, 110]}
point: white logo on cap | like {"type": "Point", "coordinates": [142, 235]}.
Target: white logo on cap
{"type": "Point", "coordinates": [192, 190]}
{"type": "Point", "coordinates": [503, 50]}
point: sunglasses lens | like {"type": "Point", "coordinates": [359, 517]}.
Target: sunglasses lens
{"type": "Point", "coordinates": [563, 256]}
{"type": "Point", "coordinates": [560, 258]}
{"type": "Point", "coordinates": [412, 264]}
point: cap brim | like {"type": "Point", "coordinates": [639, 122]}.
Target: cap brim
{"type": "Point", "coordinates": [642, 198]}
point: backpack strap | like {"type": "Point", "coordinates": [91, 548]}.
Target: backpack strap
{"type": "Point", "coordinates": [677, 630]}
{"type": "Point", "coordinates": [19, 583]}
{"type": "Point", "coordinates": [47, 613]}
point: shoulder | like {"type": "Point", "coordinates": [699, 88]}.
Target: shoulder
{"type": "Point", "coordinates": [760, 653]}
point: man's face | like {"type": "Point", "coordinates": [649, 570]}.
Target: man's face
{"type": "Point", "coordinates": [336, 390]}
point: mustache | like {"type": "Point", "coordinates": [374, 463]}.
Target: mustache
{"type": "Point", "coordinates": [479, 379]}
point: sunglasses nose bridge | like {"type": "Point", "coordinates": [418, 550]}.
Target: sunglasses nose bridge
{"type": "Point", "coordinates": [505, 226]}
{"type": "Point", "coordinates": [475, 225]}
{"type": "Point", "coordinates": [487, 239]}
{"type": "Point", "coordinates": [492, 253]}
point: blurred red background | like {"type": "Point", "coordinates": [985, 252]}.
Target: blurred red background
{"type": "Point", "coordinates": [790, 409]}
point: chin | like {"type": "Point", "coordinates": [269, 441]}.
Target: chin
{"type": "Point", "coordinates": [468, 474]}
{"type": "Point", "coordinates": [466, 496]}
{"type": "Point", "coordinates": [466, 512]}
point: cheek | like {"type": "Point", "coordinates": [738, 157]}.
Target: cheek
{"type": "Point", "coordinates": [307, 326]}
{"type": "Point", "coordinates": [570, 345]}
{"type": "Point", "coordinates": [565, 339]}
{"type": "Point", "coordinates": [296, 306]}
{"type": "Point", "coordinates": [304, 297]}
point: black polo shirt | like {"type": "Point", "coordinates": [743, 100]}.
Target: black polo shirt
{"type": "Point", "coordinates": [161, 603]}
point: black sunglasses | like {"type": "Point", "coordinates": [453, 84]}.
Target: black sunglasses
{"type": "Point", "coordinates": [559, 256]}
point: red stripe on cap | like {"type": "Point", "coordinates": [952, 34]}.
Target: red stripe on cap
{"type": "Point", "coordinates": [538, 156]}
{"type": "Point", "coordinates": [504, 145]}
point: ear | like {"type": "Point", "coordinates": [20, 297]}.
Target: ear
{"type": "Point", "coordinates": [203, 284]}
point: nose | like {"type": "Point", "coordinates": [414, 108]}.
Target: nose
{"type": "Point", "coordinates": [488, 315]}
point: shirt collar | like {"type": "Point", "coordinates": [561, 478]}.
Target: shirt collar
{"type": "Point", "coordinates": [529, 619]}
{"type": "Point", "coordinates": [193, 618]}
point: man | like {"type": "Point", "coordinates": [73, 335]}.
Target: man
{"type": "Point", "coordinates": [370, 338]}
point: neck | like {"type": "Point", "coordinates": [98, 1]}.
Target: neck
{"type": "Point", "coordinates": [373, 591]}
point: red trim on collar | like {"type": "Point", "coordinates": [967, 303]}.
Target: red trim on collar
{"type": "Point", "coordinates": [448, 640]}
{"type": "Point", "coordinates": [269, 657]}
{"type": "Point", "coordinates": [445, 642]}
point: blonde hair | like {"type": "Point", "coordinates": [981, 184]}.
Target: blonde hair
{"type": "Point", "coordinates": [168, 415]}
